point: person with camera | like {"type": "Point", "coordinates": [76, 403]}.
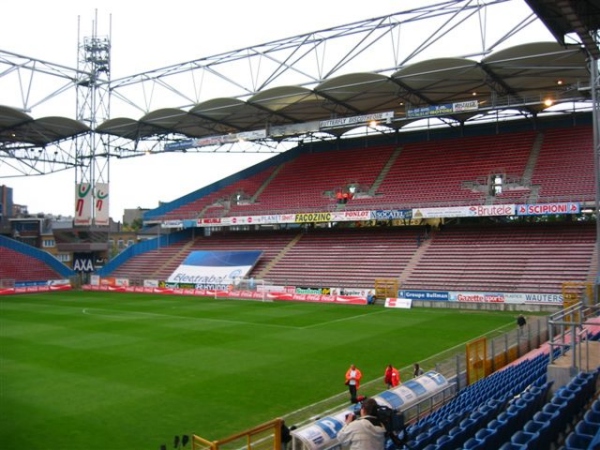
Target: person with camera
{"type": "Point", "coordinates": [365, 432]}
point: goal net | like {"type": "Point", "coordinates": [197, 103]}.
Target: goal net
{"type": "Point", "coordinates": [245, 289]}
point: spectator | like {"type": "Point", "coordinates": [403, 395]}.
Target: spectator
{"type": "Point", "coordinates": [286, 437]}
{"type": "Point", "coordinates": [391, 376]}
{"type": "Point", "coordinates": [365, 432]}
{"type": "Point", "coordinates": [371, 298]}
{"type": "Point", "coordinates": [353, 376]}
{"type": "Point", "coordinates": [417, 371]}
{"type": "Point", "coordinates": [521, 322]}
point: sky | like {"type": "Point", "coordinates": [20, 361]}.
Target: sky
{"type": "Point", "coordinates": [146, 36]}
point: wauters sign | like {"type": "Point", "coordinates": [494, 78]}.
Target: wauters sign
{"type": "Point", "coordinates": [83, 262]}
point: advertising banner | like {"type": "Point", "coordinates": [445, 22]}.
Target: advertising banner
{"type": "Point", "coordinates": [83, 204]}
{"type": "Point", "coordinates": [215, 269]}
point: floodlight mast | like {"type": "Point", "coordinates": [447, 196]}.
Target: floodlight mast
{"type": "Point", "coordinates": [595, 83]}
{"type": "Point", "coordinates": [93, 108]}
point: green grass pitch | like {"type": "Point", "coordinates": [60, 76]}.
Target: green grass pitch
{"type": "Point", "coordinates": [82, 370]}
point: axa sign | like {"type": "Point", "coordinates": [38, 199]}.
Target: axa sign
{"type": "Point", "coordinates": [82, 262]}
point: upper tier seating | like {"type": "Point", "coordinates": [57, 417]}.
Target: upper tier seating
{"type": "Point", "coordinates": [439, 172]}
{"type": "Point", "coordinates": [309, 182]}
{"type": "Point", "coordinates": [565, 169]}
{"type": "Point", "coordinates": [433, 173]}
{"type": "Point", "coordinates": [216, 204]}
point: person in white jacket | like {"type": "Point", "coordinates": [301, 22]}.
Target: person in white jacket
{"type": "Point", "coordinates": [365, 432]}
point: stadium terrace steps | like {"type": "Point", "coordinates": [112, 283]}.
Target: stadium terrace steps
{"type": "Point", "coordinates": [479, 257]}
{"type": "Point", "coordinates": [21, 267]}
{"type": "Point", "coordinates": [552, 166]}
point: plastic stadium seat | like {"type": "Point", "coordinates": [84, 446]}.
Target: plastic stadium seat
{"type": "Point", "coordinates": [592, 416]}
{"type": "Point", "coordinates": [577, 441]}
{"type": "Point", "coordinates": [483, 434]}
{"type": "Point", "coordinates": [591, 429]}
{"type": "Point", "coordinates": [542, 430]}
{"type": "Point", "coordinates": [523, 438]}
{"type": "Point", "coordinates": [512, 446]}
{"type": "Point", "coordinates": [473, 444]}
{"type": "Point", "coordinates": [430, 447]}
{"type": "Point", "coordinates": [434, 432]}
{"type": "Point", "coordinates": [491, 437]}
{"type": "Point", "coordinates": [543, 416]}
{"type": "Point", "coordinates": [454, 430]}
{"type": "Point", "coordinates": [500, 430]}
{"type": "Point", "coordinates": [442, 440]}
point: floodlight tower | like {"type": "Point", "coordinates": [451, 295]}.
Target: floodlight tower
{"type": "Point", "coordinates": [93, 108]}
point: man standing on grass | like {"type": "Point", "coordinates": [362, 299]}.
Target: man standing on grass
{"type": "Point", "coordinates": [391, 376]}
{"type": "Point", "coordinates": [353, 376]}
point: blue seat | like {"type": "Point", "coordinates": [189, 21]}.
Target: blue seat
{"type": "Point", "coordinates": [454, 430]}
{"type": "Point", "coordinates": [446, 442]}
{"type": "Point", "coordinates": [491, 437]}
{"type": "Point", "coordinates": [434, 432]}
{"type": "Point", "coordinates": [458, 439]}
{"type": "Point", "coordinates": [577, 441]}
{"type": "Point", "coordinates": [430, 447]}
{"type": "Point", "coordinates": [500, 430]}
{"type": "Point", "coordinates": [473, 444]}
{"type": "Point", "coordinates": [483, 434]}
{"type": "Point", "coordinates": [543, 416]}
{"type": "Point", "coordinates": [554, 408]}
{"type": "Point", "coordinates": [442, 440]}
{"type": "Point", "coordinates": [511, 446]}
{"type": "Point", "coordinates": [524, 438]}
{"type": "Point", "coordinates": [589, 428]}
{"type": "Point", "coordinates": [592, 416]}
{"type": "Point", "coordinates": [543, 432]}
{"type": "Point", "coordinates": [422, 439]}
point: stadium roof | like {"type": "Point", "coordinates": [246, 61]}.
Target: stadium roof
{"type": "Point", "coordinates": [520, 77]}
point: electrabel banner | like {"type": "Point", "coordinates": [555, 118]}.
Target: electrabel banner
{"type": "Point", "coordinates": [214, 269]}
{"type": "Point", "coordinates": [322, 434]}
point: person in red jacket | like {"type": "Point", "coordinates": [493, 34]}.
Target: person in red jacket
{"type": "Point", "coordinates": [353, 376]}
{"type": "Point", "coordinates": [391, 377]}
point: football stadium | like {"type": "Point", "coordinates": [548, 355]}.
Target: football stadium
{"type": "Point", "coordinates": [423, 233]}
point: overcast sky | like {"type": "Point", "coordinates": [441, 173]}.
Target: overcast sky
{"type": "Point", "coordinates": [147, 36]}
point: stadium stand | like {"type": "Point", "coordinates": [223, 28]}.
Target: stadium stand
{"type": "Point", "coordinates": [159, 263]}
{"type": "Point", "coordinates": [352, 257]}
{"type": "Point", "coordinates": [505, 257]}
{"type": "Point", "coordinates": [310, 182]}
{"type": "Point", "coordinates": [542, 166]}
{"type": "Point", "coordinates": [563, 171]}
{"type": "Point", "coordinates": [534, 258]}
{"type": "Point", "coordinates": [23, 263]}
